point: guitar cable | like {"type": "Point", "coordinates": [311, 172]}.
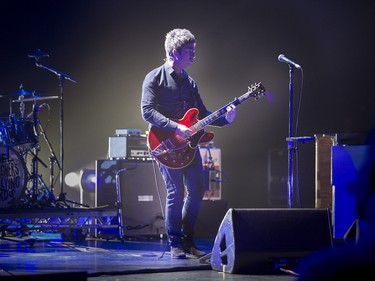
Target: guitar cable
{"type": "Point", "coordinates": [154, 163]}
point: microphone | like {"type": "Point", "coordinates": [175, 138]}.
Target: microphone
{"type": "Point", "coordinates": [38, 54]}
{"type": "Point", "coordinates": [283, 58]}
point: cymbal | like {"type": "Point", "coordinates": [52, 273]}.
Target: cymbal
{"type": "Point", "coordinates": [35, 98]}
{"type": "Point", "coordinates": [22, 92]}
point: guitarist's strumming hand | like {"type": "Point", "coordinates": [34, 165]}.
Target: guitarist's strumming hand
{"type": "Point", "coordinates": [231, 113]}
{"type": "Point", "coordinates": [183, 131]}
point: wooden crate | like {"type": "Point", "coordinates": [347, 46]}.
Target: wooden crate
{"type": "Point", "coordinates": [323, 162]}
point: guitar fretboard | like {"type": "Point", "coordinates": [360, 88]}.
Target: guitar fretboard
{"type": "Point", "coordinates": [255, 91]}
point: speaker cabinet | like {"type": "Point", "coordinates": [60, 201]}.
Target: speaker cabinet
{"type": "Point", "coordinates": [260, 241]}
{"type": "Point", "coordinates": [142, 193]}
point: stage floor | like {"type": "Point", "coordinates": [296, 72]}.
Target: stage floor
{"type": "Point", "coordinates": [98, 259]}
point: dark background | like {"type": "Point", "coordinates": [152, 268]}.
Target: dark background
{"type": "Point", "coordinates": [109, 46]}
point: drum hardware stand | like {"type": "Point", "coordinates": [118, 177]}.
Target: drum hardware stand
{"type": "Point", "coordinates": [52, 159]}
{"type": "Point", "coordinates": [61, 76]}
{"type": "Point", "coordinates": [34, 176]}
{"type": "Point", "coordinates": [22, 105]}
{"type": "Point", "coordinates": [52, 162]}
{"type": "Point", "coordinates": [36, 179]}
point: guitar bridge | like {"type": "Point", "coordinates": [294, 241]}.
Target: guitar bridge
{"type": "Point", "coordinates": [164, 147]}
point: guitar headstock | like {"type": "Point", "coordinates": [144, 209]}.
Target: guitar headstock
{"type": "Point", "coordinates": [256, 90]}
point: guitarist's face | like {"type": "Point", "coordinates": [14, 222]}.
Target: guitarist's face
{"type": "Point", "coordinates": [185, 56]}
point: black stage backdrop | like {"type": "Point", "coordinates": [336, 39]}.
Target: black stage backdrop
{"type": "Point", "coordinates": [107, 47]}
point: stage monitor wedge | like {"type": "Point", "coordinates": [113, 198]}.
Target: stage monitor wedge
{"type": "Point", "coordinates": [261, 241]}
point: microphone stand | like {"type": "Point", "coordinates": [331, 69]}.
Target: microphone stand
{"type": "Point", "coordinates": [61, 76]}
{"type": "Point", "coordinates": [291, 142]}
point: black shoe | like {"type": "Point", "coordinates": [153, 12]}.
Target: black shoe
{"type": "Point", "coordinates": [190, 248]}
{"type": "Point", "coordinates": [194, 251]}
{"type": "Point", "coordinates": [177, 253]}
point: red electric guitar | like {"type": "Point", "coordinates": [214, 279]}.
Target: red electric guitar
{"type": "Point", "coordinates": [174, 152]}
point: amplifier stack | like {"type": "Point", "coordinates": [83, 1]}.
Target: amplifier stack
{"type": "Point", "coordinates": [128, 144]}
{"type": "Point", "coordinates": [142, 189]}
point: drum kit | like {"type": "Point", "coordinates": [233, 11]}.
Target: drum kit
{"type": "Point", "coordinates": [22, 186]}
{"type": "Point", "coordinates": [19, 140]}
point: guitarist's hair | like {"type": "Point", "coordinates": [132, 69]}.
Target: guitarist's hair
{"type": "Point", "coordinates": [176, 39]}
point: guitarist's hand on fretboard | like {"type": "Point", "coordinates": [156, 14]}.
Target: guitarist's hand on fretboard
{"type": "Point", "coordinates": [231, 113]}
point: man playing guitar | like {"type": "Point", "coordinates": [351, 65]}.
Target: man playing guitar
{"type": "Point", "coordinates": [171, 104]}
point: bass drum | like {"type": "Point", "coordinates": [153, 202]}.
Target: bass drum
{"type": "Point", "coordinates": [13, 177]}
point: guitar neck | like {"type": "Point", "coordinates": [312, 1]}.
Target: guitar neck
{"type": "Point", "coordinates": [201, 124]}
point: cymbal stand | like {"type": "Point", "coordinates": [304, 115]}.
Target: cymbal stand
{"type": "Point", "coordinates": [34, 174]}
{"type": "Point", "coordinates": [61, 76]}
{"type": "Point", "coordinates": [52, 159]}
{"type": "Point", "coordinates": [38, 190]}
{"type": "Point", "coordinates": [22, 106]}
{"type": "Point", "coordinates": [50, 191]}
{"type": "Point", "coordinates": [35, 195]}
